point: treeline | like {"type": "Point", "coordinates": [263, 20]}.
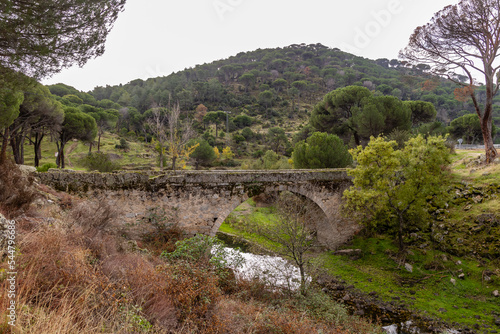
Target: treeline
{"type": "Point", "coordinates": [247, 103]}
{"type": "Point", "coordinates": [283, 82]}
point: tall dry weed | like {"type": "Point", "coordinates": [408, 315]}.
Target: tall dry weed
{"type": "Point", "coordinates": [16, 189]}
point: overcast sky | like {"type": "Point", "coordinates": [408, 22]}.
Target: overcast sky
{"type": "Point", "coordinates": [157, 37]}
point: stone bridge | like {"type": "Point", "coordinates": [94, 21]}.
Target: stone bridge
{"type": "Point", "coordinates": [202, 200]}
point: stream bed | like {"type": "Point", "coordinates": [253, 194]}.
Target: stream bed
{"type": "Point", "coordinates": [279, 273]}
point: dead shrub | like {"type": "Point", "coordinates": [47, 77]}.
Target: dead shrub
{"type": "Point", "coordinates": [95, 221]}
{"type": "Point", "coordinates": [94, 216]}
{"type": "Point", "coordinates": [147, 286]}
{"type": "Point", "coordinates": [193, 290]}
{"type": "Point", "coordinates": [55, 275]}
{"type": "Point", "coordinates": [64, 200]}
{"type": "Point", "coordinates": [16, 189]}
{"type": "Point", "coordinates": [236, 316]}
{"type": "Point", "coordinates": [165, 230]}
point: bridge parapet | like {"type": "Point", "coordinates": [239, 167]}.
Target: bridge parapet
{"type": "Point", "coordinates": [83, 182]}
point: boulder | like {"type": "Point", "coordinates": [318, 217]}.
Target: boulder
{"type": "Point", "coordinates": [3, 236]}
{"type": "Point", "coordinates": [27, 170]}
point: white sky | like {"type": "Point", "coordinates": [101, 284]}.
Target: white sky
{"type": "Point", "coordinates": [157, 37]}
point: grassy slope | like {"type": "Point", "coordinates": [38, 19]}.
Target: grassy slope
{"type": "Point", "coordinates": [139, 155]}
{"type": "Point", "coordinates": [428, 289]}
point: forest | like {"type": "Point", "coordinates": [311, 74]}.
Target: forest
{"type": "Point", "coordinates": [251, 103]}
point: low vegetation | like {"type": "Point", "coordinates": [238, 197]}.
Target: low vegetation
{"type": "Point", "coordinates": [81, 270]}
{"type": "Point", "coordinates": [447, 272]}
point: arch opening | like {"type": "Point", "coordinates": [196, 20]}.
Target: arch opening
{"type": "Point", "coordinates": [257, 207]}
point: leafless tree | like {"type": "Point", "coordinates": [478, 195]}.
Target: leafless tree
{"type": "Point", "coordinates": [290, 231]}
{"type": "Point", "coordinates": [466, 37]}
{"type": "Point", "coordinates": [172, 134]}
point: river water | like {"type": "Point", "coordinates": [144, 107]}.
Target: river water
{"type": "Point", "coordinates": [273, 270]}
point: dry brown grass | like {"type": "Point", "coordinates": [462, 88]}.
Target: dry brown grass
{"type": "Point", "coordinates": [16, 190]}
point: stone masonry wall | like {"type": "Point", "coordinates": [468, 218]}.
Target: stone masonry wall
{"type": "Point", "coordinates": [203, 199]}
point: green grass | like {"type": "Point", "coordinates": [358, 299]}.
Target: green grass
{"type": "Point", "coordinates": [424, 290]}
{"type": "Point", "coordinates": [138, 156]}
{"type": "Point", "coordinates": [428, 289]}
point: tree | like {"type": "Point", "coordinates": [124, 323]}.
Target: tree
{"type": "Point", "coordinates": [266, 98]}
{"type": "Point", "coordinates": [215, 117]}
{"type": "Point", "coordinates": [39, 38]}
{"type": "Point", "coordinates": [421, 112]}
{"type": "Point", "coordinates": [277, 140]}
{"type": "Point", "coordinates": [290, 231]}
{"type": "Point", "coordinates": [105, 120]}
{"type": "Point", "coordinates": [248, 79]}
{"type": "Point", "coordinates": [157, 124]}
{"type": "Point", "coordinates": [10, 101]}
{"type": "Point", "coordinates": [466, 37]}
{"type": "Point", "coordinates": [301, 86]}
{"type": "Point", "coordinates": [279, 85]}
{"type": "Point", "coordinates": [321, 150]}
{"type": "Point", "coordinates": [468, 127]}
{"type": "Point", "coordinates": [179, 134]}
{"type": "Point", "coordinates": [353, 111]}
{"type": "Point", "coordinates": [394, 185]}
{"type": "Point", "coordinates": [203, 154]}
{"type": "Point", "coordinates": [76, 125]}
{"type": "Point", "coordinates": [334, 113]}
{"type": "Point", "coordinates": [39, 114]}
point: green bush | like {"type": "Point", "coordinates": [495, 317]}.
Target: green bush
{"type": "Point", "coordinates": [124, 145]}
{"type": "Point", "coordinates": [321, 150]}
{"type": "Point", "coordinates": [45, 167]}
{"type": "Point", "coordinates": [101, 162]}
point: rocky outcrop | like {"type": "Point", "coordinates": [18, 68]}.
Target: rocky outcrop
{"type": "Point", "coordinates": [3, 236]}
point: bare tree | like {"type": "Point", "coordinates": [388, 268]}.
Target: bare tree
{"type": "Point", "coordinates": [180, 132]}
{"type": "Point", "coordinates": [290, 231]}
{"type": "Point", "coordinates": [172, 134]}
{"type": "Point", "coordinates": [465, 36]}
{"type": "Point", "coordinates": [157, 124]}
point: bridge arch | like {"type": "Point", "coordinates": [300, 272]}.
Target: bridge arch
{"type": "Point", "coordinates": [325, 226]}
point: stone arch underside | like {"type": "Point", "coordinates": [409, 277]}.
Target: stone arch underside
{"type": "Point", "coordinates": [332, 231]}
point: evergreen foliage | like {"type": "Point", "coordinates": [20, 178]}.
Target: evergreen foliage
{"type": "Point", "coordinates": [392, 186]}
{"type": "Point", "coordinates": [321, 150]}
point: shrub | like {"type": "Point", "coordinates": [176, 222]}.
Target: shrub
{"type": "Point", "coordinates": [16, 192]}
{"type": "Point", "coordinates": [321, 150]}
{"type": "Point", "coordinates": [123, 145]}
{"type": "Point", "coordinates": [165, 233]}
{"type": "Point", "coordinates": [101, 162]}
{"type": "Point", "coordinates": [45, 167]}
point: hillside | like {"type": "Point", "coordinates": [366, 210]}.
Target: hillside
{"type": "Point", "coordinates": [276, 85]}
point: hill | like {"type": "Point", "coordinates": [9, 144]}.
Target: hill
{"type": "Point", "coordinates": [278, 84]}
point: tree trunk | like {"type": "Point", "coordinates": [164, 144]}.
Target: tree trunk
{"type": "Point", "coordinates": [400, 233]}
{"type": "Point", "coordinates": [491, 152]}
{"type": "Point", "coordinates": [15, 144]}
{"type": "Point", "coordinates": [99, 143]}
{"type": "Point", "coordinates": [90, 147]}
{"type": "Point", "coordinates": [302, 279]}
{"type": "Point", "coordinates": [37, 144]}
{"type": "Point", "coordinates": [5, 142]}
{"type": "Point", "coordinates": [173, 162]}
{"type": "Point", "coordinates": [161, 158]}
